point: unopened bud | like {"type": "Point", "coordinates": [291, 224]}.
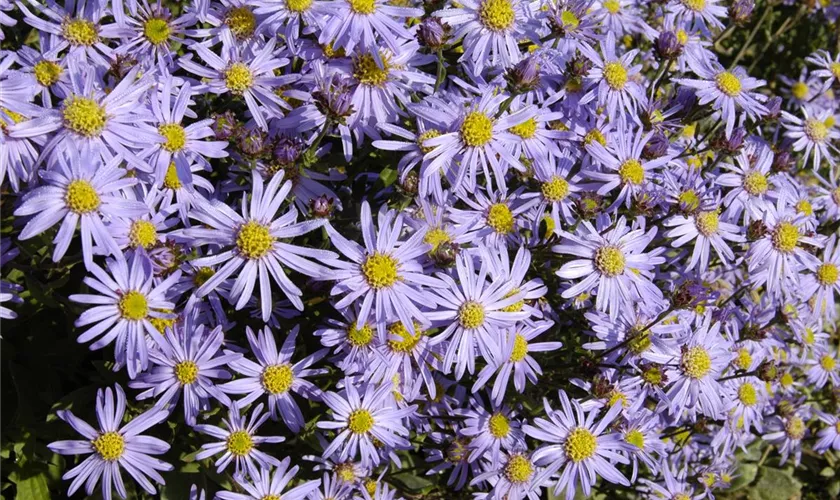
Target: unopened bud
{"type": "Point", "coordinates": [433, 33]}
{"type": "Point", "coordinates": [741, 11]}
{"type": "Point", "coordinates": [525, 76]}
{"type": "Point", "coordinates": [656, 147]}
{"type": "Point", "coordinates": [321, 206]}
{"type": "Point", "coordinates": [668, 45]}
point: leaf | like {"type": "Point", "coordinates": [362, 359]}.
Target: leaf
{"type": "Point", "coordinates": [775, 484]}
{"type": "Point", "coordinates": [746, 475]}
{"type": "Point", "coordinates": [411, 482]}
{"type": "Point", "coordinates": [388, 176]}
{"type": "Point", "coordinates": [33, 488]}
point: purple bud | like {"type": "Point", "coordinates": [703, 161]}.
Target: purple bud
{"type": "Point", "coordinates": [731, 145]}
{"type": "Point", "coordinates": [253, 143]}
{"type": "Point", "coordinates": [783, 161]}
{"type": "Point", "coordinates": [656, 147]}
{"type": "Point", "coordinates": [579, 66]}
{"type": "Point", "coordinates": [668, 46]}
{"type": "Point", "coordinates": [333, 98]}
{"type": "Point", "coordinates": [225, 126]}
{"type": "Point", "coordinates": [433, 33]}
{"type": "Point", "coordinates": [287, 150]}
{"type": "Point", "coordinates": [741, 10]}
{"type": "Point", "coordinates": [322, 206]}
{"type": "Point", "coordinates": [774, 108]}
{"type": "Point", "coordinates": [525, 76]}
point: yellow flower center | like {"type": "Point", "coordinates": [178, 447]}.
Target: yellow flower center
{"type": "Point", "coordinates": [345, 471]}
{"type": "Point", "coordinates": [786, 380]}
{"type": "Point", "coordinates": [557, 189]}
{"type": "Point", "coordinates": [747, 394]}
{"type": "Point", "coordinates": [580, 445]}
{"type": "Point", "coordinates": [368, 72]}
{"type": "Point", "coordinates": [156, 30]}
{"type": "Point", "coordinates": [271, 497]}
{"type": "Point", "coordinates": [80, 32]}
{"type": "Point", "coordinates": [744, 359]}
{"type": "Point", "coordinates": [239, 443]}
{"type": "Point", "coordinates": [689, 200]}
{"type": "Point", "coordinates": [471, 315]}
{"type": "Point", "coordinates": [497, 15]}
{"type": "Point", "coordinates": [640, 341]}
{"type": "Point", "coordinates": [682, 496]}
{"type": "Point", "coordinates": [516, 306]}
{"type": "Point", "coordinates": [436, 237]}
{"type": "Point", "coordinates": [728, 83]}
{"type": "Point", "coordinates": [359, 337]}
{"type": "Point", "coordinates": [47, 73]}
{"type": "Point", "coordinates": [186, 372]}
{"type": "Point", "coordinates": [171, 180]}
{"type": "Point", "coordinates": [202, 274]}
{"type": "Point", "coordinates": [707, 222]}
{"type": "Point", "coordinates": [520, 348]}
{"type": "Point", "coordinates": [569, 20]}
{"type": "Point", "coordinates": [81, 197]}
{"type": "Point", "coordinates": [360, 421]}
{"type": "Point", "coordinates": [109, 445]}
{"type": "Point", "coordinates": [835, 69]}
{"type": "Point", "coordinates": [408, 341]}
{"type": "Point", "coordinates": [298, 5]}
{"type": "Point", "coordinates": [254, 240]}
{"type": "Point", "coordinates": [380, 270]}
{"type": "Point", "coordinates": [161, 324]}
{"type": "Point", "coordinates": [499, 426]}
{"type": "Point", "coordinates": [133, 306]}
{"type": "Point", "coordinates": [175, 135]}
{"type": "Point", "coordinates": [631, 172]}
{"type": "Point", "coordinates": [804, 207]}
{"type": "Point", "coordinates": [594, 135]}
{"type": "Point", "coordinates": [83, 116]}
{"type": "Point", "coordinates": [363, 6]}
{"type": "Point", "coordinates": [241, 21]}
{"type": "Point", "coordinates": [526, 129]}
{"type": "Point", "coordinates": [636, 438]}
{"type": "Point", "coordinates": [682, 37]}
{"type": "Point", "coordinates": [755, 183]}
{"type": "Point", "coordinates": [429, 134]}
{"type": "Point", "coordinates": [612, 6]}
{"type": "Point", "coordinates": [695, 5]}
{"type": "Point", "coordinates": [238, 78]}
{"type": "Point", "coordinates": [827, 363]}
{"type": "Point", "coordinates": [142, 234]}
{"type": "Point", "coordinates": [799, 90]}
{"type": "Point", "coordinates": [827, 274]}
{"type": "Point", "coordinates": [500, 218]}
{"type": "Point", "coordinates": [610, 261]}
{"type": "Point", "coordinates": [277, 379]}
{"type": "Point", "coordinates": [457, 451]}
{"type": "Point", "coordinates": [816, 130]}
{"type": "Point", "coordinates": [617, 396]}
{"type": "Point", "coordinates": [795, 428]}
{"type": "Point", "coordinates": [786, 237]}
{"type": "Point", "coordinates": [370, 486]}
{"type": "Point", "coordinates": [519, 469]}
{"type": "Point", "coordinates": [477, 129]}
{"type": "Point", "coordinates": [696, 362]}
{"type": "Point", "coordinates": [615, 74]}
{"type": "Point", "coordinates": [652, 376]}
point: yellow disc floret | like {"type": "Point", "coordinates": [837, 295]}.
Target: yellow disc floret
{"type": "Point", "coordinates": [696, 362]}
{"type": "Point", "coordinates": [747, 394]}
{"type": "Point", "coordinates": [407, 341]}
{"type": "Point", "coordinates": [277, 379]}
{"type": "Point", "coordinates": [360, 421]}
{"type": "Point", "coordinates": [580, 444]}
{"type": "Point", "coordinates": [816, 130]}
{"type": "Point", "coordinates": [380, 270]}
{"type": "Point", "coordinates": [744, 359]}
{"type": "Point", "coordinates": [359, 337]}
{"type": "Point", "coordinates": [520, 348]}
{"type": "Point", "coordinates": [186, 372]}
{"type": "Point", "coordinates": [80, 32]}
{"type": "Point", "coordinates": [594, 135]}
{"type": "Point", "coordinates": [827, 274]}
{"type": "Point", "coordinates": [436, 237]}
{"type": "Point", "coordinates": [156, 30]}
{"type": "Point", "coordinates": [368, 72]}
{"type": "Point", "coordinates": [610, 261]}
{"type": "Point", "coordinates": [81, 197]}
{"type": "Point", "coordinates": [298, 5]}
{"type": "Point", "coordinates": [636, 438]}
{"type": "Point", "coordinates": [239, 443]}
{"type": "Point", "coordinates": [755, 183]}
{"type": "Point", "coordinates": [241, 21]}
{"type": "Point", "coordinates": [795, 428]}
{"type": "Point", "coordinates": [425, 136]}
{"type": "Point", "coordinates": [518, 469]}
{"type": "Point", "coordinates": [254, 240]}
{"type": "Point", "coordinates": [785, 237]}
{"type": "Point", "coordinates": [47, 73]}
{"type": "Point", "coordinates": [695, 5]}
{"type": "Point", "coordinates": [83, 116]}
{"type": "Point", "coordinates": [499, 426]}
{"type": "Point", "coordinates": [171, 180]}
{"type": "Point", "coordinates": [142, 234]}
{"type": "Point", "coordinates": [109, 445]}
{"type": "Point", "coordinates": [707, 222]}
{"type": "Point", "coordinates": [612, 6]}
{"type": "Point", "coordinates": [175, 137]}
{"type": "Point", "coordinates": [615, 74]}
{"type": "Point", "coordinates": [133, 306]}
{"type": "Point", "coordinates": [827, 362]}
{"type": "Point", "coordinates": [238, 77]}
{"type": "Point", "coordinates": [471, 315]}
{"type": "Point", "coordinates": [497, 15]}
{"type": "Point", "coordinates": [631, 172]}
{"type": "Point", "coordinates": [799, 90]}
{"type": "Point", "coordinates": [526, 129]}
{"type": "Point", "coordinates": [556, 189]}
{"type": "Point", "coordinates": [477, 129]}
{"type": "Point", "coordinates": [362, 6]}
{"type": "Point", "coordinates": [728, 83]}
{"type": "Point", "coordinates": [500, 218]}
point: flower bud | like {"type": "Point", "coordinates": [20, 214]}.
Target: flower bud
{"type": "Point", "coordinates": [783, 161]}
{"type": "Point", "coordinates": [731, 145]}
{"type": "Point", "coordinates": [445, 254]}
{"type": "Point", "coordinates": [578, 67]}
{"type": "Point", "coordinates": [774, 108]}
{"type": "Point", "coordinates": [333, 98]}
{"type": "Point", "coordinates": [321, 206]}
{"type": "Point", "coordinates": [767, 371]}
{"type": "Point", "coordinates": [433, 33]}
{"type": "Point", "coordinates": [741, 11]}
{"type": "Point", "coordinates": [756, 230]}
{"type": "Point", "coordinates": [668, 45]}
{"type": "Point", "coordinates": [656, 147]}
{"type": "Point", "coordinates": [253, 144]}
{"type": "Point", "coordinates": [287, 150]}
{"type": "Point", "coordinates": [225, 126]}
{"type": "Point", "coordinates": [410, 184]}
{"type": "Point", "coordinates": [525, 76]}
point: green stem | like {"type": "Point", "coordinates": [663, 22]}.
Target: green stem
{"type": "Point", "coordinates": [749, 39]}
{"type": "Point", "coordinates": [441, 70]}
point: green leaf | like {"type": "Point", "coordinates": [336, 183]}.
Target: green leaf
{"type": "Point", "coordinates": [746, 475]}
{"type": "Point", "coordinates": [33, 488]}
{"type": "Point", "coordinates": [388, 176]}
{"type": "Point", "coordinates": [775, 484]}
{"type": "Point", "coordinates": [410, 482]}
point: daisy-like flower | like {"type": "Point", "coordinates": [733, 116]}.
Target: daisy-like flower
{"type": "Point", "coordinates": [490, 431]}
{"type": "Point", "coordinates": [699, 14]}
{"type": "Point", "coordinates": [81, 191]}
{"type": "Point", "coordinates": [745, 399]}
{"type": "Point", "coordinates": [822, 285]}
{"type": "Point", "coordinates": [384, 271]}
{"type": "Point", "coordinates": [353, 342]}
{"type": "Point", "coordinates": [127, 301]}
{"type": "Point", "coordinates": [359, 417]}
{"type": "Point", "coordinates": [614, 264]}
{"type": "Point", "coordinates": [578, 445]}
{"type": "Point", "coordinates": [239, 442]}
{"type": "Point", "coordinates": [787, 433]}
{"type": "Point", "coordinates": [274, 374]}
{"type": "Point", "coordinates": [406, 357]}
{"type": "Point", "coordinates": [352, 22]}
{"type": "Point", "coordinates": [257, 250]}
{"type": "Point", "coordinates": [813, 134]}
{"type": "Point", "coordinates": [829, 67]}
{"type": "Point", "coordinates": [822, 368]}
{"type": "Point", "coordinates": [290, 17]}
{"type": "Point", "coordinates": [491, 30]}
{"type": "Point", "coordinates": [558, 190]}
{"type": "Point", "coordinates": [641, 433]}
{"type": "Point", "coordinates": [153, 31]}
{"type": "Point", "coordinates": [707, 229]}
{"type": "Point", "coordinates": [828, 437]}
{"type": "Point", "coordinates": [514, 476]}
{"type": "Point", "coordinates": [727, 91]}
{"type": "Point", "coordinates": [248, 73]}
{"type": "Point", "coordinates": [674, 486]}
{"type": "Point", "coordinates": [187, 361]}
{"type": "Point", "coordinates": [624, 165]}
{"type": "Point", "coordinates": [479, 140]}
{"type": "Point", "coordinates": [612, 79]}
{"type": "Point", "coordinates": [472, 311]}
{"type": "Point", "coordinates": [749, 178]}
{"type": "Point", "coordinates": [496, 218]}
{"type": "Point", "coordinates": [271, 484]}
{"type": "Point", "coordinates": [697, 363]}
{"type": "Point", "coordinates": [113, 447]}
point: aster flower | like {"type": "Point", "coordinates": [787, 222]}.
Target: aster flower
{"type": "Point", "coordinates": [490, 431]}
{"type": "Point", "coordinates": [829, 436]}
{"type": "Point", "coordinates": [353, 342]}
{"type": "Point", "coordinates": [578, 445]}
{"type": "Point", "coordinates": [405, 357]}
{"type": "Point", "coordinates": [290, 18]}
{"type": "Point", "coordinates": [611, 78]}
{"type": "Point", "coordinates": [515, 476]}
{"type": "Point", "coordinates": [822, 285]}
{"type": "Point", "coordinates": [674, 485]}
{"type": "Point", "coordinates": [153, 31]}
{"type": "Point", "coordinates": [787, 432]}
{"type": "Point", "coordinates": [352, 22]}
{"type": "Point", "coordinates": [641, 433]}
{"type": "Point", "coordinates": [79, 190]}
{"type": "Point", "coordinates": [385, 271]}
{"type": "Point", "coordinates": [239, 443]}
{"type": "Point", "coordinates": [275, 375]}
{"type": "Point", "coordinates": [613, 263]}
{"type": "Point", "coordinates": [725, 90]}
{"type": "Point", "coordinates": [257, 250]}
{"type": "Point", "coordinates": [495, 218]}
{"type": "Point", "coordinates": [558, 190]}
{"type": "Point", "coordinates": [187, 361]}
{"type": "Point", "coordinates": [128, 299]}
{"type": "Point", "coordinates": [822, 368]}
{"type": "Point", "coordinates": [813, 134]}
{"type": "Point", "coordinates": [752, 189]}
{"type": "Point", "coordinates": [828, 67]}
{"type": "Point", "coordinates": [114, 447]}
{"type": "Point", "coordinates": [699, 14]}
{"type": "Point", "coordinates": [707, 229]}
{"type": "Point", "coordinates": [359, 417]}
{"type": "Point", "coordinates": [271, 484]}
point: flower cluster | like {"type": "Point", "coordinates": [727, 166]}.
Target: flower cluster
{"type": "Point", "coordinates": [506, 248]}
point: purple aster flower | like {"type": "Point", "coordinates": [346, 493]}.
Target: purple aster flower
{"type": "Point", "coordinates": [579, 446]}
{"type": "Point", "coordinates": [514, 476]}
{"type": "Point", "coordinates": [828, 437]}
{"type": "Point", "coordinates": [353, 343]}
{"type": "Point", "coordinates": [257, 250]}
{"type": "Point", "coordinates": [490, 431]}
{"type": "Point", "coordinates": [822, 368]}
{"type": "Point", "coordinates": [786, 432]}
{"type": "Point", "coordinates": [351, 22]}
{"type": "Point", "coordinates": [494, 218]}
{"type": "Point", "coordinates": [612, 79]}
{"type": "Point", "coordinates": [153, 30]}
{"type": "Point", "coordinates": [274, 374]}
{"type": "Point", "coordinates": [128, 299]}
{"type": "Point", "coordinates": [113, 447]}
{"type": "Point", "coordinates": [239, 443]}
{"type": "Point", "coordinates": [813, 134]}
{"type": "Point", "coordinates": [674, 485]}
{"type": "Point", "coordinates": [707, 229]}
{"type": "Point", "coordinates": [822, 285]}
{"type": "Point", "coordinates": [749, 178]}
{"type": "Point", "coordinates": [698, 14]}
{"type": "Point", "coordinates": [270, 484]}
{"type": "Point", "coordinates": [828, 67]}
{"type": "Point", "coordinates": [186, 361]}
{"type": "Point", "coordinates": [405, 357]}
